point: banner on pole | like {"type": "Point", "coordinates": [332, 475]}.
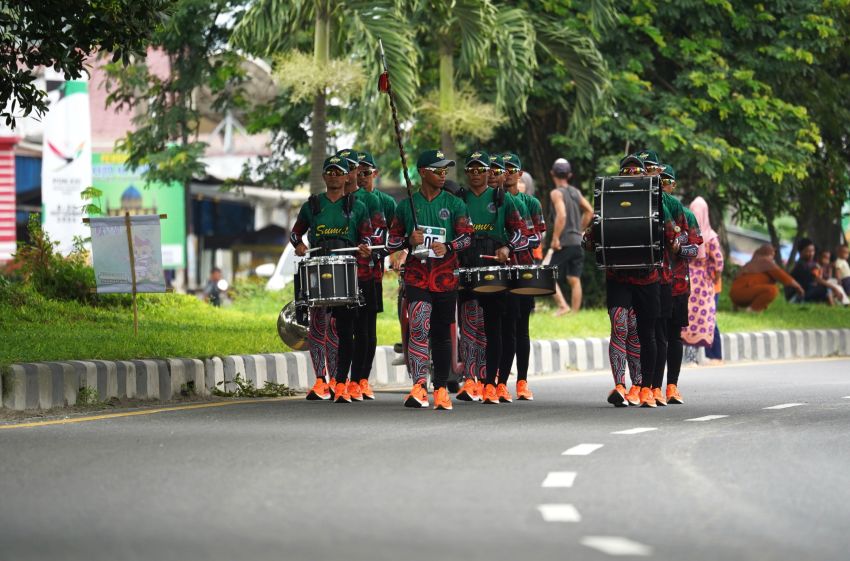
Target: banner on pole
{"type": "Point", "coordinates": [111, 254]}
{"type": "Point", "coordinates": [66, 160]}
{"type": "Point", "coordinates": [125, 191]}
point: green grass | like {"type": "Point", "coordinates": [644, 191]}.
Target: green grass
{"type": "Point", "coordinates": [170, 325]}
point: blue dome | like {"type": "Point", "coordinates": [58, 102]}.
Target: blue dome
{"type": "Point", "coordinates": [130, 193]}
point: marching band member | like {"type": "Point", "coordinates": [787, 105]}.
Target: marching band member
{"type": "Point", "coordinates": [690, 242]}
{"type": "Point", "coordinates": [515, 337]}
{"type": "Point", "coordinates": [365, 337]}
{"type": "Point", "coordinates": [333, 220]}
{"type": "Point", "coordinates": [441, 231]}
{"type": "Point", "coordinates": [497, 231]}
{"type": "Point", "coordinates": [366, 174]}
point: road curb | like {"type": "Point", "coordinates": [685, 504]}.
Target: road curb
{"type": "Point", "coordinates": [44, 385]}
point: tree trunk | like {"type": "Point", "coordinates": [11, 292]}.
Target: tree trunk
{"type": "Point", "coordinates": [775, 241]}
{"type": "Point", "coordinates": [319, 123]}
{"type": "Point", "coordinates": [447, 100]}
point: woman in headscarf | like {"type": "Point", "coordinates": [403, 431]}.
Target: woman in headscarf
{"type": "Point", "coordinates": [755, 286]}
{"type": "Point", "coordinates": [704, 269]}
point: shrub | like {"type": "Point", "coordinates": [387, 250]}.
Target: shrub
{"type": "Point", "coordinates": [51, 274]}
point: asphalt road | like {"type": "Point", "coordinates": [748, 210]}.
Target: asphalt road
{"type": "Point", "coordinates": [298, 480]}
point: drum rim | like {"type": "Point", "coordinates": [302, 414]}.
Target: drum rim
{"type": "Point", "coordinates": [329, 260]}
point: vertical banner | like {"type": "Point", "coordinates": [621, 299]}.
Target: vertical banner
{"type": "Point", "coordinates": [7, 198]}
{"type": "Point", "coordinates": [66, 160]}
{"type": "Point", "coordinates": [111, 254]}
{"type": "Point", "coordinates": [125, 192]}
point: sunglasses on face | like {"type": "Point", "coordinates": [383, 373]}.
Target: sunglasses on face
{"type": "Point", "coordinates": [631, 170]}
{"type": "Point", "coordinates": [668, 182]}
{"type": "Point", "coordinates": [497, 171]}
{"type": "Point", "coordinates": [365, 172]}
{"type": "Point", "coordinates": [511, 171]}
{"type": "Point", "coordinates": [438, 171]}
{"type": "Point", "coordinates": [477, 171]}
{"type": "Point", "coordinates": [335, 173]}
{"type": "Point", "coordinates": [652, 169]}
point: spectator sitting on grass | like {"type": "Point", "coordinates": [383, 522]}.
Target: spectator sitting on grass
{"type": "Point", "coordinates": [755, 286]}
{"type": "Point", "coordinates": [827, 273]}
{"type": "Point", "coordinates": [807, 273]}
{"type": "Point", "coordinates": [842, 269]}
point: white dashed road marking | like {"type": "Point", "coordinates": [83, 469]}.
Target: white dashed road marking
{"type": "Point", "coordinates": [785, 406]}
{"type": "Point", "coordinates": [559, 479]}
{"type": "Point", "coordinates": [637, 430]}
{"type": "Point", "coordinates": [559, 513]}
{"type": "Point", "coordinates": [708, 418]}
{"type": "Point", "coordinates": [582, 450]}
{"type": "Point", "coordinates": [846, 397]}
{"type": "Point", "coordinates": [613, 545]}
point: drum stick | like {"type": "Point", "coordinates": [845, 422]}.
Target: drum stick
{"type": "Point", "coordinates": [311, 250]}
{"type": "Point", "coordinates": [493, 257]}
{"type": "Point", "coordinates": [342, 249]}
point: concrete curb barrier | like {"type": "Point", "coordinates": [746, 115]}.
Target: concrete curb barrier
{"type": "Point", "coordinates": [44, 385]}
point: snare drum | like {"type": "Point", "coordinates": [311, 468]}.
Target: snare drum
{"type": "Point", "coordinates": [533, 280]}
{"type": "Point", "coordinates": [328, 281]}
{"type": "Point", "coordinates": [484, 280]}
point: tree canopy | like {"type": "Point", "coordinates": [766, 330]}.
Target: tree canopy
{"type": "Point", "coordinates": [61, 34]}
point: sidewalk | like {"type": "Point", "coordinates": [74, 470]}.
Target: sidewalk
{"type": "Point", "coordinates": [44, 385]}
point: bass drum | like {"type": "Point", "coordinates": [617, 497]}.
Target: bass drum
{"type": "Point", "coordinates": [628, 222]}
{"type": "Point", "coordinates": [533, 280]}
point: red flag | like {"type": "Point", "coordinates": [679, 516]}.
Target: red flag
{"type": "Point", "coordinates": [384, 82]}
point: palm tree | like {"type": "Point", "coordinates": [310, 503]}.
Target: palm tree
{"type": "Point", "coordinates": [274, 26]}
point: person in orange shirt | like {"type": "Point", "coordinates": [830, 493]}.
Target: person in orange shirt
{"type": "Point", "coordinates": [755, 286]}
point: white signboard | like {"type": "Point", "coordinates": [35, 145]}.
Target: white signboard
{"type": "Point", "coordinates": [111, 254]}
{"type": "Point", "coordinates": [66, 168]}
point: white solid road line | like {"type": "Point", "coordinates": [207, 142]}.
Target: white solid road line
{"type": "Point", "coordinates": [613, 545]}
{"type": "Point", "coordinates": [846, 397]}
{"type": "Point", "coordinates": [559, 479]}
{"type": "Point", "coordinates": [784, 406]}
{"type": "Point", "coordinates": [708, 418]}
{"type": "Point", "coordinates": [582, 450]}
{"type": "Point", "coordinates": [559, 513]}
{"type": "Point", "coordinates": [638, 430]}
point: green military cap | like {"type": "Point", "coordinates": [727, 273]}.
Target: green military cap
{"type": "Point", "coordinates": [349, 154]}
{"type": "Point", "coordinates": [496, 161]}
{"type": "Point", "coordinates": [433, 159]}
{"type": "Point", "coordinates": [366, 159]}
{"type": "Point", "coordinates": [479, 156]}
{"type": "Point", "coordinates": [648, 156]}
{"type": "Point", "coordinates": [632, 160]}
{"type": "Point", "coordinates": [336, 162]}
{"type": "Point", "coordinates": [668, 172]}
{"type": "Point", "coordinates": [512, 159]}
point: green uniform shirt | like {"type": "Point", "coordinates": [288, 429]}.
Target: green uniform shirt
{"type": "Point", "coordinates": [487, 220]}
{"type": "Point", "coordinates": [440, 214]}
{"type": "Point", "coordinates": [332, 223]}
{"type": "Point", "coordinates": [388, 205]}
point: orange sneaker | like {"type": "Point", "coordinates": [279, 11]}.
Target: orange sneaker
{"type": "Point", "coordinates": [366, 390]}
{"type": "Point", "coordinates": [617, 397]}
{"type": "Point", "coordinates": [522, 391]}
{"type": "Point", "coordinates": [467, 392]}
{"type": "Point", "coordinates": [319, 391]}
{"type": "Point", "coordinates": [331, 382]}
{"type": "Point", "coordinates": [633, 397]}
{"type": "Point", "coordinates": [354, 391]}
{"type": "Point", "coordinates": [489, 397]}
{"type": "Point", "coordinates": [479, 390]}
{"type": "Point", "coordinates": [441, 399]}
{"type": "Point", "coordinates": [646, 399]}
{"type": "Point", "coordinates": [341, 394]}
{"type": "Point", "coordinates": [503, 394]}
{"type": "Point", "coordinates": [659, 397]}
{"type": "Point", "coordinates": [673, 395]}
{"type": "Point", "coordinates": [418, 397]}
